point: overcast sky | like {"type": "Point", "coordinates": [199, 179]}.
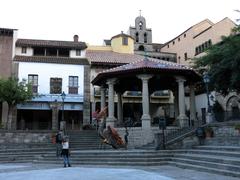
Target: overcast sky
{"type": "Point", "coordinates": [95, 20]}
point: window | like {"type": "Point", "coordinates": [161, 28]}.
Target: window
{"type": "Point", "coordinates": [124, 41]}
{"type": "Point", "coordinates": [196, 51]}
{"type": "Point", "coordinates": [179, 39]}
{"type": "Point", "coordinates": [24, 50]}
{"type": "Point", "coordinates": [33, 80]}
{"type": "Point", "coordinates": [168, 46]}
{"type": "Point", "coordinates": [185, 56]}
{"type": "Point", "coordinates": [78, 52]}
{"type": "Point", "coordinates": [173, 42]}
{"type": "Point", "coordinates": [184, 35]}
{"type": "Point", "coordinates": [55, 85]}
{"type": "Point", "coordinates": [209, 42]}
{"type": "Point", "coordinates": [73, 85]}
{"type": "Point", "coordinates": [140, 25]}
{"type": "Point", "coordinates": [137, 39]}
{"type": "Point", "coordinates": [145, 37]}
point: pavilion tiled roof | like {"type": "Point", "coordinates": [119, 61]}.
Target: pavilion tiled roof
{"type": "Point", "coordinates": [52, 59]}
{"type": "Point", "coordinates": [149, 63]}
{"type": "Point", "coordinates": [148, 66]}
{"type": "Point", "coordinates": [50, 43]}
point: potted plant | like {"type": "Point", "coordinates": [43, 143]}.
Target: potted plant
{"type": "Point", "coordinates": [209, 131]}
{"type": "Point", "coordinates": [237, 127]}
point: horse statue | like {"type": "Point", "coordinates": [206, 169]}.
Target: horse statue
{"type": "Point", "coordinates": [109, 135]}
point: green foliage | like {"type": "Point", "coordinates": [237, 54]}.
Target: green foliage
{"type": "Point", "coordinates": [14, 92]}
{"type": "Point", "coordinates": [223, 63]}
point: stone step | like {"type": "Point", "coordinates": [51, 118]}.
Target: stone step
{"type": "Point", "coordinates": [114, 163]}
{"type": "Point", "coordinates": [225, 148]}
{"type": "Point", "coordinates": [210, 158]}
{"type": "Point", "coordinates": [209, 152]}
{"type": "Point", "coordinates": [223, 141]}
{"type": "Point", "coordinates": [208, 164]}
{"type": "Point", "coordinates": [205, 169]}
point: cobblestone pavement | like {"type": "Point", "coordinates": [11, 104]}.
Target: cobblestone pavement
{"type": "Point", "coordinates": [28, 171]}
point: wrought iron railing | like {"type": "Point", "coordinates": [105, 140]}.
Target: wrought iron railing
{"type": "Point", "coordinates": [174, 134]}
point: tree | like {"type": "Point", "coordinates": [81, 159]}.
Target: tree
{"type": "Point", "coordinates": [222, 62]}
{"type": "Point", "coordinates": [14, 92]}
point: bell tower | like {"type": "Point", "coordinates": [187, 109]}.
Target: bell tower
{"type": "Point", "coordinates": [141, 33]}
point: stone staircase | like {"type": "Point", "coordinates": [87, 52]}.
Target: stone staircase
{"type": "Point", "coordinates": [223, 160]}
{"type": "Point", "coordinates": [86, 150]}
{"type": "Point", "coordinates": [84, 140]}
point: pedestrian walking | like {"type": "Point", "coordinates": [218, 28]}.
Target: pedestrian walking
{"type": "Point", "coordinates": [200, 133]}
{"type": "Point", "coordinates": [65, 152]}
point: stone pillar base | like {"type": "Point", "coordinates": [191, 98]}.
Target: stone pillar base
{"type": "Point", "coordinates": [111, 121]}
{"type": "Point", "coordinates": [183, 121]}
{"type": "Point", "coordinates": [146, 121]}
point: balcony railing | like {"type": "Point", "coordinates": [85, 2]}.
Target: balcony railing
{"type": "Point", "coordinates": [133, 93]}
{"type": "Point", "coordinates": [161, 93]}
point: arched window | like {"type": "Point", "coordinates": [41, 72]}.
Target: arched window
{"type": "Point", "coordinates": [137, 38]}
{"type": "Point", "coordinates": [141, 48]}
{"type": "Point", "coordinates": [145, 37]}
{"type": "Point", "coordinates": [140, 25]}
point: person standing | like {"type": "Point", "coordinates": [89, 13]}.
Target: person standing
{"type": "Point", "coordinates": [59, 138]}
{"type": "Point", "coordinates": [65, 152]}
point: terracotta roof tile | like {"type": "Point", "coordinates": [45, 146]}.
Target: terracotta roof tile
{"type": "Point", "coordinates": [51, 59]}
{"type": "Point", "coordinates": [97, 56]}
{"type": "Point", "coordinates": [148, 66]}
{"type": "Point", "coordinates": [50, 43]}
{"type": "Point", "coordinates": [149, 63]}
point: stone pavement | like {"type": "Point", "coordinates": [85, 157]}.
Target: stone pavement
{"type": "Point", "coordinates": [29, 171]}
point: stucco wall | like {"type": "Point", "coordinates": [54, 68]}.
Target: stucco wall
{"type": "Point", "coordinates": [45, 71]}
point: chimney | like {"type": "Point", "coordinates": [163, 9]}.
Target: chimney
{"type": "Point", "coordinates": [75, 38]}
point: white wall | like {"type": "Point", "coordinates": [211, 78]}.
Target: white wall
{"type": "Point", "coordinates": [73, 54]}
{"type": "Point", "coordinates": [18, 51]}
{"type": "Point", "coordinates": [45, 71]}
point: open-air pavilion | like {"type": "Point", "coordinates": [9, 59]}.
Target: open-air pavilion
{"type": "Point", "coordinates": [148, 75]}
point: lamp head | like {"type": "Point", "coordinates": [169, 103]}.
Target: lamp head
{"type": "Point", "coordinates": [63, 95]}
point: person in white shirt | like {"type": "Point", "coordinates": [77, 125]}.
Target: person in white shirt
{"type": "Point", "coordinates": [65, 152]}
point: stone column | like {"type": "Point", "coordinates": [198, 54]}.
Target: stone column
{"type": "Point", "coordinates": [86, 97]}
{"type": "Point", "coordinates": [4, 115]}
{"type": "Point", "coordinates": [103, 97]}
{"type": "Point", "coordinates": [120, 109]}
{"type": "Point", "coordinates": [93, 106]}
{"type": "Point", "coordinates": [55, 109]}
{"type": "Point", "coordinates": [192, 103]}
{"type": "Point", "coordinates": [176, 107]}
{"type": "Point", "coordinates": [146, 119]}
{"type": "Point", "coordinates": [182, 118]}
{"type": "Point", "coordinates": [111, 120]}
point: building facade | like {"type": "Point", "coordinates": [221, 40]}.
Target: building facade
{"type": "Point", "coordinates": [196, 39]}
{"type": "Point", "coordinates": [56, 71]}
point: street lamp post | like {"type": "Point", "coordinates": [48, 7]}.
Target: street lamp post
{"type": "Point", "coordinates": [63, 124]}
{"type": "Point", "coordinates": [206, 80]}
